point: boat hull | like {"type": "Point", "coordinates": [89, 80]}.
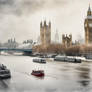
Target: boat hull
{"type": "Point", "coordinates": [5, 74]}
{"type": "Point", "coordinates": [5, 77]}
{"type": "Point", "coordinates": [67, 59]}
{"type": "Point", "coordinates": [38, 75]}
{"type": "Point", "coordinates": [39, 61]}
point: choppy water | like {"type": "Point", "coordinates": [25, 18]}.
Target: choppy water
{"type": "Point", "coordinates": [59, 76]}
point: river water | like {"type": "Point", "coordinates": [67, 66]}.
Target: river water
{"type": "Point", "coordinates": [59, 76]}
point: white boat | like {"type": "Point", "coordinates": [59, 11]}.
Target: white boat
{"type": "Point", "coordinates": [89, 56]}
{"type": "Point", "coordinates": [39, 60]}
{"type": "Point", "coordinates": [4, 72]}
{"type": "Point", "coordinates": [82, 58]}
{"type": "Point", "coordinates": [71, 59]}
{"type": "Point", "coordinates": [60, 58]}
{"type": "Point", "coordinates": [67, 59]}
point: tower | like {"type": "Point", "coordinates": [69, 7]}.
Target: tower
{"type": "Point", "coordinates": [89, 11]}
{"type": "Point", "coordinates": [70, 36]}
{"type": "Point", "coordinates": [56, 37]}
{"type": "Point", "coordinates": [88, 27]}
{"type": "Point", "coordinates": [45, 33]}
{"type": "Point", "coordinates": [67, 40]}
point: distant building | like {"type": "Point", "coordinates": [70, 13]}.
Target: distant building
{"type": "Point", "coordinates": [28, 41]}
{"type": "Point", "coordinates": [56, 37]}
{"type": "Point", "coordinates": [27, 44]}
{"type": "Point", "coordinates": [88, 27]}
{"type": "Point", "coordinates": [76, 42]}
{"type": "Point", "coordinates": [11, 43]}
{"type": "Point", "coordinates": [66, 40]}
{"type": "Point", "coordinates": [45, 34]}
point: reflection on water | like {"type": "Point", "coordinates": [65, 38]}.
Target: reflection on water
{"type": "Point", "coordinates": [4, 84]}
{"type": "Point", "coordinates": [84, 74]}
{"type": "Point", "coordinates": [39, 78]}
{"type": "Point", "coordinates": [51, 90]}
{"type": "Point", "coordinates": [59, 76]}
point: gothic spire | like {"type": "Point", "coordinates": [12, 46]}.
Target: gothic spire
{"type": "Point", "coordinates": [44, 22]}
{"type": "Point", "coordinates": [41, 24]}
{"type": "Point", "coordinates": [89, 11]}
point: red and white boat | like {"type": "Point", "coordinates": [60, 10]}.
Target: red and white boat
{"type": "Point", "coordinates": [38, 73]}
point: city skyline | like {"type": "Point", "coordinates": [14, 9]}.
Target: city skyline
{"type": "Point", "coordinates": [21, 18]}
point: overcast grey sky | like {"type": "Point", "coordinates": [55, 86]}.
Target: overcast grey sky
{"type": "Point", "coordinates": [21, 18]}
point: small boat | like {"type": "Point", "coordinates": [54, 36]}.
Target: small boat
{"type": "Point", "coordinates": [39, 60]}
{"type": "Point", "coordinates": [68, 59]}
{"type": "Point", "coordinates": [4, 72]}
{"type": "Point", "coordinates": [89, 56]}
{"type": "Point", "coordinates": [60, 58]}
{"type": "Point", "coordinates": [38, 73]}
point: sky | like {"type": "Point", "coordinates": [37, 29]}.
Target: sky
{"type": "Point", "coordinates": [21, 18]}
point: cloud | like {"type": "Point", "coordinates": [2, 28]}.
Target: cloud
{"type": "Point", "coordinates": [28, 6]}
{"type": "Point", "coordinates": [20, 7]}
{"type": "Point", "coordinates": [6, 2]}
{"type": "Point", "coordinates": [24, 16]}
{"type": "Point", "coordinates": [23, 7]}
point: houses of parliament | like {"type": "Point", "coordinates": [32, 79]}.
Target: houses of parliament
{"type": "Point", "coordinates": [45, 36]}
{"type": "Point", "coordinates": [45, 33]}
{"type": "Point", "coordinates": [88, 27]}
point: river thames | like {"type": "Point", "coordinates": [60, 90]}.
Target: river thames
{"type": "Point", "coordinates": [59, 76]}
